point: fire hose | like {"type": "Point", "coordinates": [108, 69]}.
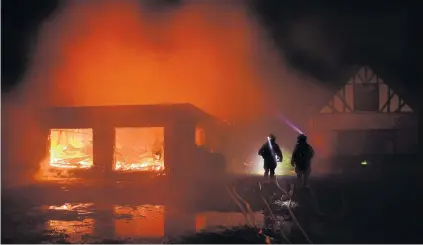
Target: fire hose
{"type": "Point", "coordinates": [289, 202]}
{"type": "Point", "coordinates": [273, 215]}
{"type": "Point", "coordinates": [244, 212]}
{"type": "Point", "coordinates": [235, 196]}
{"type": "Point", "coordinates": [249, 213]}
{"type": "Point", "coordinates": [247, 206]}
{"type": "Point", "coordinates": [292, 213]}
{"type": "Point", "coordinates": [316, 205]}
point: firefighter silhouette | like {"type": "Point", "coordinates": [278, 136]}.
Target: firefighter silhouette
{"type": "Point", "coordinates": [301, 159]}
{"type": "Point", "coordinates": [271, 154]}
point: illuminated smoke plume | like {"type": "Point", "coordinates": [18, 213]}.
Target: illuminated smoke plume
{"type": "Point", "coordinates": [121, 52]}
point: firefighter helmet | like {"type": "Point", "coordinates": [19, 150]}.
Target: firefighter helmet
{"type": "Point", "coordinates": [272, 137]}
{"type": "Point", "coordinates": [302, 138]}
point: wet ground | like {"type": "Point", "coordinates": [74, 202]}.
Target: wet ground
{"type": "Point", "coordinates": [335, 210]}
{"type": "Point", "coordinates": [89, 223]}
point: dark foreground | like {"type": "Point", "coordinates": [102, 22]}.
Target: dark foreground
{"type": "Point", "coordinates": [336, 210]}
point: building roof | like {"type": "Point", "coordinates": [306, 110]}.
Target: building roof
{"type": "Point", "coordinates": [351, 71]}
{"type": "Point", "coordinates": [127, 115]}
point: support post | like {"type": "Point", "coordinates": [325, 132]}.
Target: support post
{"type": "Point", "coordinates": [180, 161]}
{"type": "Point", "coordinates": [103, 149]}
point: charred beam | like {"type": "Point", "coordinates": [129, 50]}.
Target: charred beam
{"type": "Point", "coordinates": [388, 102]}
{"type": "Point", "coordinates": [344, 102]}
{"type": "Point", "coordinates": [329, 104]}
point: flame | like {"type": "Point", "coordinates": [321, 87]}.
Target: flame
{"type": "Point", "coordinates": [70, 150]}
{"type": "Point", "coordinates": [144, 166]}
{"type": "Point", "coordinates": [116, 52]}
{"type": "Point", "coordinates": [65, 206]}
{"type": "Point", "coordinates": [72, 207]}
{"type": "Point", "coordinates": [143, 149]}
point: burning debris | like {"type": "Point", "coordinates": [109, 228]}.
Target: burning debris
{"type": "Point", "coordinates": [71, 148]}
{"type": "Point", "coordinates": [136, 149]}
{"type": "Point", "coordinates": [143, 160]}
{"type": "Point", "coordinates": [139, 149]}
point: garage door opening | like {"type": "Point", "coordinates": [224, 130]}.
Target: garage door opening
{"type": "Point", "coordinates": [71, 148]}
{"type": "Point", "coordinates": [139, 149]}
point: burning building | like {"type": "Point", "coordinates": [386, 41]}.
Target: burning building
{"type": "Point", "coordinates": [131, 138]}
{"type": "Point", "coordinates": [366, 118]}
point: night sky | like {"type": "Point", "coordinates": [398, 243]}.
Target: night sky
{"type": "Point", "coordinates": [381, 34]}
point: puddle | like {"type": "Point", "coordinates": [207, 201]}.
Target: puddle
{"type": "Point", "coordinates": [145, 221]}
{"type": "Point", "coordinates": [215, 221]}
{"type": "Point", "coordinates": [84, 222]}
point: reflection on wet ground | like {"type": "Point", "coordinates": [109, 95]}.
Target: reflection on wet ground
{"type": "Point", "coordinates": [87, 215]}
{"type": "Point", "coordinates": [88, 222]}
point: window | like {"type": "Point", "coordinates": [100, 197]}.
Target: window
{"type": "Point", "coordinates": [366, 97]}
{"type": "Point", "coordinates": [139, 149]}
{"type": "Point", "coordinates": [71, 148]}
{"type": "Point", "coordinates": [200, 136]}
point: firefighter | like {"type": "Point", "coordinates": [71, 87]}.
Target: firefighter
{"type": "Point", "coordinates": [301, 159]}
{"type": "Point", "coordinates": [271, 154]}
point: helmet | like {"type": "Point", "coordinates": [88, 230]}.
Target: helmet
{"type": "Point", "coordinates": [272, 137]}
{"type": "Point", "coordinates": [302, 138]}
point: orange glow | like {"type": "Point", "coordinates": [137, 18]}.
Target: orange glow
{"type": "Point", "coordinates": [139, 149]}
{"type": "Point", "coordinates": [74, 229]}
{"type": "Point", "coordinates": [200, 222]}
{"type": "Point", "coordinates": [71, 148]}
{"type": "Point", "coordinates": [321, 142]}
{"type": "Point", "coordinates": [200, 136]}
{"type": "Point", "coordinates": [115, 52]}
{"type": "Point", "coordinates": [118, 52]}
{"type": "Point", "coordinates": [146, 221]}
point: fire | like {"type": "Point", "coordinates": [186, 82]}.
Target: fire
{"type": "Point", "coordinates": [150, 165]}
{"type": "Point", "coordinates": [139, 149]}
{"type": "Point", "coordinates": [71, 148]}
{"type": "Point", "coordinates": [136, 149]}
{"type": "Point", "coordinates": [79, 207]}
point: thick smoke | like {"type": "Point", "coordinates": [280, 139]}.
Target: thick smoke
{"type": "Point", "coordinates": [212, 55]}
{"type": "Point", "coordinates": [119, 52]}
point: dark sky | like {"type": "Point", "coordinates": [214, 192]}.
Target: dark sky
{"type": "Point", "coordinates": [382, 34]}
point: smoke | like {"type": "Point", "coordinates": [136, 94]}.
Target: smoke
{"type": "Point", "coordinates": [113, 52]}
